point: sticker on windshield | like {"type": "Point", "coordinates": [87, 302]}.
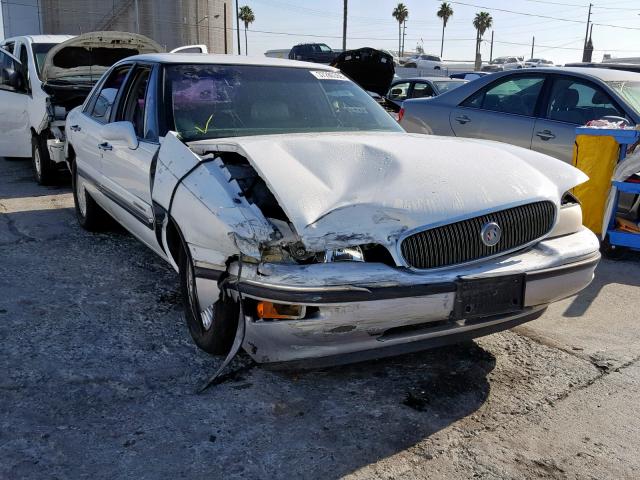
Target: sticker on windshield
{"type": "Point", "coordinates": [327, 75]}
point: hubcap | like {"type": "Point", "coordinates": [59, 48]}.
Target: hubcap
{"type": "Point", "coordinates": [206, 316]}
{"type": "Point", "coordinates": [81, 196]}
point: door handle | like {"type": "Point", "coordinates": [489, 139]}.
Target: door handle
{"type": "Point", "coordinates": [75, 128]}
{"type": "Point", "coordinates": [545, 135]}
{"type": "Point", "coordinates": [105, 146]}
{"type": "Point", "coordinates": [462, 119]}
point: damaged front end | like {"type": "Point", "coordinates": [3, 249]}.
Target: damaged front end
{"type": "Point", "coordinates": [308, 230]}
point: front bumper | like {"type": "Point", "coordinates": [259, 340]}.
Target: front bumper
{"type": "Point", "coordinates": [370, 310]}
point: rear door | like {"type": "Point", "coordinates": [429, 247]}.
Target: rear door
{"type": "Point", "coordinates": [126, 171]}
{"type": "Point", "coordinates": [503, 110]}
{"type": "Point", "coordinates": [15, 136]}
{"type": "Point", "coordinates": [571, 102]}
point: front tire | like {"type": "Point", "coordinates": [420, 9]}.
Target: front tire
{"type": "Point", "coordinates": [43, 168]}
{"type": "Point", "coordinates": [90, 215]}
{"type": "Point", "coordinates": [214, 329]}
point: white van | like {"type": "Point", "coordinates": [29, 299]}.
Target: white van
{"type": "Point", "coordinates": [42, 77]}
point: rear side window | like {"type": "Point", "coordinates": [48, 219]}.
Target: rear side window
{"type": "Point", "coordinates": [578, 101]}
{"type": "Point", "coordinates": [517, 96]}
{"type": "Point", "coordinates": [102, 103]}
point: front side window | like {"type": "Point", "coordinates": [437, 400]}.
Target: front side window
{"type": "Point", "coordinates": [445, 86]}
{"type": "Point", "coordinates": [517, 96]}
{"type": "Point", "coordinates": [577, 101]}
{"type": "Point", "coordinates": [135, 104]}
{"type": "Point", "coordinates": [217, 101]}
{"type": "Point", "coordinates": [103, 104]}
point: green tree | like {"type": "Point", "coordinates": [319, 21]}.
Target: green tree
{"type": "Point", "coordinates": [445, 13]}
{"type": "Point", "coordinates": [482, 22]}
{"type": "Point", "coordinates": [400, 13]}
{"type": "Point", "coordinates": [246, 16]}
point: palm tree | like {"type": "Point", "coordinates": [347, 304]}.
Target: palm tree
{"type": "Point", "coordinates": [246, 15]}
{"type": "Point", "coordinates": [445, 13]}
{"type": "Point", "coordinates": [482, 22]}
{"type": "Point", "coordinates": [344, 26]}
{"type": "Point", "coordinates": [400, 13]}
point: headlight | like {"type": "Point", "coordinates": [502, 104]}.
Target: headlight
{"type": "Point", "coordinates": [569, 216]}
{"type": "Point", "coordinates": [348, 254]}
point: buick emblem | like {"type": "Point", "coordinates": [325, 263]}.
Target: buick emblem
{"type": "Point", "coordinates": [490, 234]}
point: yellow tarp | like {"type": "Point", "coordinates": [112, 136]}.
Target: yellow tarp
{"type": "Point", "coordinates": [596, 156]}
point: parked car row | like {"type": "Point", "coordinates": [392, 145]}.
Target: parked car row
{"type": "Point", "coordinates": [305, 224]}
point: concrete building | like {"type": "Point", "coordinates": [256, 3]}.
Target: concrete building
{"type": "Point", "coordinates": [19, 18]}
{"type": "Point", "coordinates": [171, 23]}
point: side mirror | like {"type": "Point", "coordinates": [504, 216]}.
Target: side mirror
{"type": "Point", "coordinates": [120, 132]}
{"type": "Point", "coordinates": [14, 79]}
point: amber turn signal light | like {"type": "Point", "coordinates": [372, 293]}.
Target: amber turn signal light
{"type": "Point", "coordinates": [281, 311]}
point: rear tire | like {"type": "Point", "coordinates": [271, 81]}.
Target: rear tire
{"type": "Point", "coordinates": [90, 215]}
{"type": "Point", "coordinates": [44, 170]}
{"type": "Point", "coordinates": [214, 329]}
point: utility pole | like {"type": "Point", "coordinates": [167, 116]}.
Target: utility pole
{"type": "Point", "coordinates": [344, 27]}
{"type": "Point", "coordinates": [197, 23]}
{"type": "Point", "coordinates": [533, 44]}
{"type": "Point", "coordinates": [224, 12]}
{"type": "Point", "coordinates": [586, 34]}
{"type": "Point", "coordinates": [238, 27]}
{"type": "Point", "coordinates": [137, 18]}
{"type": "Point", "coordinates": [491, 51]}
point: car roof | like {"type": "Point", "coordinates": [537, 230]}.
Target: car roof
{"type": "Point", "coordinates": [604, 74]}
{"type": "Point", "coordinates": [221, 59]}
{"type": "Point", "coordinates": [430, 79]}
{"type": "Point", "coordinates": [40, 38]}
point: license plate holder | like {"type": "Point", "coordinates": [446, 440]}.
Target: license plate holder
{"type": "Point", "coordinates": [488, 296]}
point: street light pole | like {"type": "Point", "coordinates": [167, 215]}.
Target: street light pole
{"type": "Point", "coordinates": [238, 27]}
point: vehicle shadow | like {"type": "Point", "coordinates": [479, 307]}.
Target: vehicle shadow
{"type": "Point", "coordinates": [621, 271]}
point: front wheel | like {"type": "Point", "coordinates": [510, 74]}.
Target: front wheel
{"type": "Point", "coordinates": [43, 168]}
{"type": "Point", "coordinates": [212, 329]}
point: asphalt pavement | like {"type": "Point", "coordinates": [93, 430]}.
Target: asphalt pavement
{"type": "Point", "coordinates": [98, 377]}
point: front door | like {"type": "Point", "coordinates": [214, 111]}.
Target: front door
{"type": "Point", "coordinates": [503, 111]}
{"type": "Point", "coordinates": [572, 102]}
{"type": "Point", "coordinates": [126, 171]}
{"type": "Point", "coordinates": [15, 135]}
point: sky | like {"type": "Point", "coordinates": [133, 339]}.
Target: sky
{"type": "Point", "coordinates": [370, 23]}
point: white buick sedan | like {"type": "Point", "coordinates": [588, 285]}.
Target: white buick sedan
{"type": "Point", "coordinates": [298, 213]}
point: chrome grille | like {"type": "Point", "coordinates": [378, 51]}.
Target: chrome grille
{"type": "Point", "coordinates": [461, 242]}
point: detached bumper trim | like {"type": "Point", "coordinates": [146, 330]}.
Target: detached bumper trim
{"type": "Point", "coordinates": [362, 293]}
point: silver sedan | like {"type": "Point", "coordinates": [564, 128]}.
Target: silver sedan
{"type": "Point", "coordinates": [532, 109]}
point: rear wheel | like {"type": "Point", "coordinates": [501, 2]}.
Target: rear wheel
{"type": "Point", "coordinates": [212, 329]}
{"type": "Point", "coordinates": [90, 215]}
{"type": "Point", "coordinates": [43, 168]}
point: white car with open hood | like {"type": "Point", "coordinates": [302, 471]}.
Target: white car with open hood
{"type": "Point", "coordinates": [305, 223]}
{"type": "Point", "coordinates": [42, 77]}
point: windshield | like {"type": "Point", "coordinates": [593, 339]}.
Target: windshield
{"type": "Point", "coordinates": [630, 91]}
{"type": "Point", "coordinates": [446, 86]}
{"type": "Point", "coordinates": [498, 61]}
{"type": "Point", "coordinates": [40, 51]}
{"type": "Point", "coordinates": [217, 101]}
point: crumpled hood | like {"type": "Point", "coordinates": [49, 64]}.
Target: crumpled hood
{"type": "Point", "coordinates": [91, 54]}
{"type": "Point", "coordinates": [347, 189]}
